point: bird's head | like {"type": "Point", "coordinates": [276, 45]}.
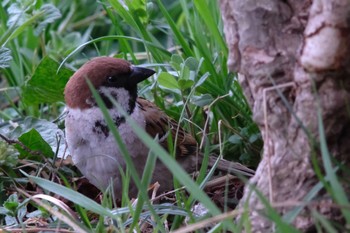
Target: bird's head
{"type": "Point", "coordinates": [108, 75]}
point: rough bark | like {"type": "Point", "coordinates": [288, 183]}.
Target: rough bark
{"type": "Point", "coordinates": [300, 50]}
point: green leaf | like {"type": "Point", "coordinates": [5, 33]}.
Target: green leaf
{"type": "Point", "coordinates": [12, 209]}
{"type": "Point", "coordinates": [3, 211]}
{"type": "Point", "coordinates": [5, 57]}
{"type": "Point", "coordinates": [184, 84]}
{"type": "Point", "coordinates": [235, 139]}
{"type": "Point", "coordinates": [168, 81]}
{"type": "Point", "coordinates": [8, 155]}
{"type": "Point", "coordinates": [47, 130]}
{"type": "Point", "coordinates": [50, 14]}
{"type": "Point", "coordinates": [17, 15]}
{"type": "Point", "coordinates": [33, 141]}
{"type": "Point", "coordinates": [202, 100]}
{"type": "Point", "coordinates": [176, 61]}
{"type": "Point", "coordinates": [185, 72]}
{"type": "Point", "coordinates": [46, 86]}
{"type": "Point", "coordinates": [192, 63]}
{"type": "Point", "coordinates": [254, 137]}
{"type": "Point", "coordinates": [11, 206]}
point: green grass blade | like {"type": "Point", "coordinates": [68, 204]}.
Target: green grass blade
{"type": "Point", "coordinates": [207, 16]}
{"type": "Point", "coordinates": [72, 195]}
{"type": "Point", "coordinates": [337, 190]}
{"type": "Point", "coordinates": [177, 33]}
{"type": "Point", "coordinates": [273, 215]}
{"type": "Point", "coordinates": [324, 222]}
{"type": "Point", "coordinates": [146, 179]}
{"type": "Point", "coordinates": [110, 38]}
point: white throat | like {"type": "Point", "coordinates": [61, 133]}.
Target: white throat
{"type": "Point", "coordinates": [121, 95]}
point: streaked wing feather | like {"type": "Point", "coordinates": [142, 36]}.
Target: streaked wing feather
{"type": "Point", "coordinates": [158, 124]}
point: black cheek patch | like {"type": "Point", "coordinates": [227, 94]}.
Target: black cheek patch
{"type": "Point", "coordinates": [102, 128]}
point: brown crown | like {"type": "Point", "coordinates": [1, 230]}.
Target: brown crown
{"type": "Point", "coordinates": [97, 70]}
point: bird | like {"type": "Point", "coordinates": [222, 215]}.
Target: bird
{"type": "Point", "coordinates": [92, 146]}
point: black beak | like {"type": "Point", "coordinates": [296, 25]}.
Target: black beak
{"type": "Point", "coordinates": [139, 74]}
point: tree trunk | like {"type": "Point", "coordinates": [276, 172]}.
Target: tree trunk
{"type": "Point", "coordinates": [292, 59]}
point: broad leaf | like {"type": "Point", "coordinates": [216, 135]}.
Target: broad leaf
{"type": "Point", "coordinates": [17, 15]}
{"type": "Point", "coordinates": [46, 85]}
{"type": "Point", "coordinates": [49, 133]}
{"type": "Point", "coordinates": [50, 14]}
{"type": "Point", "coordinates": [176, 61]}
{"type": "Point", "coordinates": [235, 139]}
{"type": "Point", "coordinates": [33, 141]}
{"type": "Point", "coordinates": [21, 13]}
{"type": "Point", "coordinates": [184, 84]}
{"type": "Point", "coordinates": [169, 82]}
{"type": "Point", "coordinates": [192, 63]}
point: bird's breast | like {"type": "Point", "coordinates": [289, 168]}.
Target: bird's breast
{"type": "Point", "coordinates": [88, 128]}
{"type": "Point", "coordinates": [93, 147]}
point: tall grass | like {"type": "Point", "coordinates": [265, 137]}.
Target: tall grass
{"type": "Point", "coordinates": [183, 40]}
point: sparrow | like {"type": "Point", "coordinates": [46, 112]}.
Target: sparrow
{"type": "Point", "coordinates": [92, 146]}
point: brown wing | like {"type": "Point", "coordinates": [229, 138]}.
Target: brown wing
{"type": "Point", "coordinates": [158, 124]}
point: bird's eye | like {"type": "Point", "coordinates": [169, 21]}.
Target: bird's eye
{"type": "Point", "coordinates": [111, 79]}
{"type": "Point", "coordinates": [119, 80]}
